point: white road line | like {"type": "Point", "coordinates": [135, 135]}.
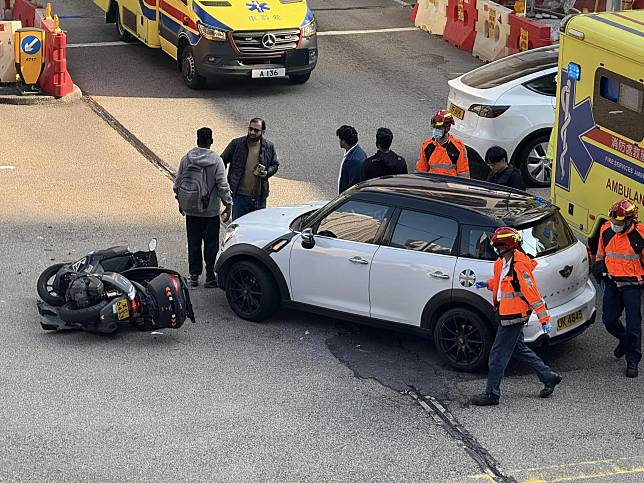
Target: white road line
{"type": "Point", "coordinates": [372, 31]}
{"type": "Point", "coordinates": [7, 168]}
{"type": "Point", "coordinates": [328, 33]}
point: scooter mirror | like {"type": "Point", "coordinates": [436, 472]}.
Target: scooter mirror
{"type": "Point", "coordinates": [152, 245]}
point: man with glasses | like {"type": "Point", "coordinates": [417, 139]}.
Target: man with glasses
{"type": "Point", "coordinates": [501, 172]}
{"type": "Point", "coordinates": [252, 161]}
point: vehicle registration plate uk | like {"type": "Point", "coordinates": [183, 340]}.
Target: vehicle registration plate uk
{"type": "Point", "coordinates": [264, 73]}
{"type": "Point", "coordinates": [569, 320]}
{"type": "Point", "coordinates": [456, 111]}
{"type": "Point", "coordinates": [122, 310]}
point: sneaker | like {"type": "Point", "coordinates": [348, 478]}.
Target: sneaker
{"type": "Point", "coordinates": [194, 280]}
{"type": "Point", "coordinates": [549, 387]}
{"type": "Point", "coordinates": [485, 399]}
{"type": "Point", "coordinates": [619, 351]}
{"type": "Point", "coordinates": [631, 370]}
{"type": "Point", "coordinates": [211, 281]}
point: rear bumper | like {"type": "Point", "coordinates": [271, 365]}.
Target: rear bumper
{"type": "Point", "coordinates": [222, 59]}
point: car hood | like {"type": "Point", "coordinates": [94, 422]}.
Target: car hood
{"type": "Point", "coordinates": [263, 226]}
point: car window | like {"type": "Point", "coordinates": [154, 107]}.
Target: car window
{"type": "Point", "coordinates": [354, 220]}
{"type": "Point", "coordinates": [546, 236]}
{"type": "Point", "coordinates": [545, 85]}
{"type": "Point", "coordinates": [475, 243]}
{"type": "Point", "coordinates": [424, 232]}
{"type": "Point", "coordinates": [512, 68]}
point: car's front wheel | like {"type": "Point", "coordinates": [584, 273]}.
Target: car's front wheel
{"type": "Point", "coordinates": [535, 166]}
{"type": "Point", "coordinates": [463, 339]}
{"type": "Point", "coordinates": [251, 291]}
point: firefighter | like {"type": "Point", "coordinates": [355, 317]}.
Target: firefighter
{"type": "Point", "coordinates": [620, 266]}
{"type": "Point", "coordinates": [443, 153]}
{"type": "Point", "coordinates": [515, 295]}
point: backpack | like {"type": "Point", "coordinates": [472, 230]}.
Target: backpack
{"type": "Point", "coordinates": [192, 190]}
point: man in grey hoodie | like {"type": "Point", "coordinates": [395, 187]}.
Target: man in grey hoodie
{"type": "Point", "coordinates": [203, 227]}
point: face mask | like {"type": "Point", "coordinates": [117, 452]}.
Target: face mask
{"type": "Point", "coordinates": [616, 228]}
{"type": "Point", "coordinates": [437, 133]}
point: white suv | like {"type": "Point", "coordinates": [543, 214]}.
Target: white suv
{"type": "Point", "coordinates": [406, 251]}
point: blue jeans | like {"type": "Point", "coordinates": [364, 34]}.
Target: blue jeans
{"type": "Point", "coordinates": [615, 302]}
{"type": "Point", "coordinates": [509, 343]}
{"type": "Point", "coordinates": [243, 204]}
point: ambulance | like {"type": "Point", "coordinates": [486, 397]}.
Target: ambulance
{"type": "Point", "coordinates": [210, 38]}
{"type": "Point", "coordinates": [599, 122]}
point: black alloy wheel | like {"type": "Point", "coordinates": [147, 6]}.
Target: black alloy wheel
{"type": "Point", "coordinates": [535, 166]}
{"type": "Point", "coordinates": [251, 291]}
{"type": "Point", "coordinates": [463, 339]}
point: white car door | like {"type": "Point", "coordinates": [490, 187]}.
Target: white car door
{"type": "Point", "coordinates": [416, 265]}
{"type": "Point", "coordinates": [334, 274]}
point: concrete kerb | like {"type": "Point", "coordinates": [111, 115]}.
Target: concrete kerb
{"type": "Point", "coordinates": [10, 95]}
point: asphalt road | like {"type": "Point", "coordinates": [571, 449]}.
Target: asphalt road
{"type": "Point", "coordinates": [300, 398]}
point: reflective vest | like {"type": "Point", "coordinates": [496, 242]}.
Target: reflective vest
{"type": "Point", "coordinates": [449, 159]}
{"type": "Point", "coordinates": [623, 254]}
{"type": "Point", "coordinates": [519, 293]}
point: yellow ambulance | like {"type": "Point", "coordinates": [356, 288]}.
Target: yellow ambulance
{"type": "Point", "coordinates": [209, 38]}
{"type": "Point", "coordinates": [599, 142]}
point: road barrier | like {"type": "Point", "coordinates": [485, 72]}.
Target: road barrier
{"type": "Point", "coordinates": [55, 79]}
{"type": "Point", "coordinates": [460, 28]}
{"type": "Point", "coordinates": [42, 14]}
{"type": "Point", "coordinates": [7, 53]}
{"type": "Point", "coordinates": [412, 15]}
{"type": "Point", "coordinates": [25, 12]}
{"type": "Point", "coordinates": [492, 31]}
{"type": "Point", "coordinates": [432, 16]}
{"type": "Point", "coordinates": [526, 34]}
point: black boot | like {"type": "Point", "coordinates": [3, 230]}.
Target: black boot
{"type": "Point", "coordinates": [549, 387]}
{"type": "Point", "coordinates": [631, 369]}
{"type": "Point", "coordinates": [211, 280]}
{"type": "Point", "coordinates": [619, 351]}
{"type": "Point", "coordinates": [485, 399]}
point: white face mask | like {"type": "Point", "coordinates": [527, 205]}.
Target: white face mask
{"type": "Point", "coordinates": [437, 133]}
{"type": "Point", "coordinates": [616, 228]}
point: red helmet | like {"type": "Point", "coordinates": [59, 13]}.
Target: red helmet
{"type": "Point", "coordinates": [506, 238]}
{"type": "Point", "coordinates": [442, 118]}
{"type": "Point", "coordinates": [624, 211]}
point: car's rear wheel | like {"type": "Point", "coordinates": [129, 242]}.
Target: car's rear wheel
{"type": "Point", "coordinates": [251, 291]}
{"type": "Point", "coordinates": [535, 167]}
{"type": "Point", "coordinates": [463, 339]}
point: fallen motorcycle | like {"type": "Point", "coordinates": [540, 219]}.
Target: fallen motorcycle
{"type": "Point", "coordinates": [54, 280]}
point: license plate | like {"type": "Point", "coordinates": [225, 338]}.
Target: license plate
{"type": "Point", "coordinates": [264, 73]}
{"type": "Point", "coordinates": [122, 310]}
{"type": "Point", "coordinates": [569, 320]}
{"type": "Point", "coordinates": [457, 111]}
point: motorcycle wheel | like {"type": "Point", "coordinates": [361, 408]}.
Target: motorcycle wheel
{"type": "Point", "coordinates": [82, 316]}
{"type": "Point", "coordinates": [45, 289]}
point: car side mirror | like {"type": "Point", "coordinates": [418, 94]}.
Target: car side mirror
{"type": "Point", "coordinates": [308, 240]}
{"type": "Point", "coordinates": [152, 245]}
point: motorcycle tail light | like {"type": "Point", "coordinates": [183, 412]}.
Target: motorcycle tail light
{"type": "Point", "coordinates": [135, 305]}
{"type": "Point", "coordinates": [175, 282]}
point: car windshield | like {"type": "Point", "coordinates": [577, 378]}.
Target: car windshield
{"type": "Point", "coordinates": [546, 236]}
{"type": "Point", "coordinates": [512, 68]}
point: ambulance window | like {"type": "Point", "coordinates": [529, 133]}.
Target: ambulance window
{"type": "Point", "coordinates": [618, 104]}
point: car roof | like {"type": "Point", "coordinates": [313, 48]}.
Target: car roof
{"type": "Point", "coordinates": [469, 201]}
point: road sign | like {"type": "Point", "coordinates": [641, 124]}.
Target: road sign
{"type": "Point", "coordinates": [29, 54]}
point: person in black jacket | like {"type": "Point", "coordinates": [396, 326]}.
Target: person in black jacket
{"type": "Point", "coordinates": [502, 172]}
{"type": "Point", "coordinates": [351, 165]}
{"type": "Point", "coordinates": [384, 162]}
{"type": "Point", "coordinates": [252, 161]}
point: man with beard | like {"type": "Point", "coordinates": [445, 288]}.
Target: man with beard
{"type": "Point", "coordinates": [252, 161]}
{"type": "Point", "coordinates": [385, 162]}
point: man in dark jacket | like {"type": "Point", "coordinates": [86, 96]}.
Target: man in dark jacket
{"type": "Point", "coordinates": [252, 161]}
{"type": "Point", "coordinates": [502, 172]}
{"type": "Point", "coordinates": [384, 162]}
{"type": "Point", "coordinates": [203, 226]}
{"type": "Point", "coordinates": [354, 156]}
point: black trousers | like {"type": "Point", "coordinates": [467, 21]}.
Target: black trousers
{"type": "Point", "coordinates": [629, 334]}
{"type": "Point", "coordinates": [202, 230]}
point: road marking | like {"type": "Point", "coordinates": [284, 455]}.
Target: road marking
{"type": "Point", "coordinates": [328, 33]}
{"type": "Point", "coordinates": [331, 33]}
{"type": "Point", "coordinates": [7, 168]}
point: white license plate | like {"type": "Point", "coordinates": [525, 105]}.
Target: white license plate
{"type": "Point", "coordinates": [264, 73]}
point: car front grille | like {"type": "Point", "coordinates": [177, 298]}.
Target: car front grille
{"type": "Point", "coordinates": [260, 41]}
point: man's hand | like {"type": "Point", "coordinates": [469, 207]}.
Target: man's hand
{"type": "Point", "coordinates": [481, 284]}
{"type": "Point", "coordinates": [547, 328]}
{"type": "Point", "coordinates": [263, 173]}
{"type": "Point", "coordinates": [225, 215]}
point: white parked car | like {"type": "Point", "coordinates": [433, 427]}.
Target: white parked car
{"type": "Point", "coordinates": [509, 103]}
{"type": "Point", "coordinates": [405, 251]}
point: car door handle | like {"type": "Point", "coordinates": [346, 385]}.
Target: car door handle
{"type": "Point", "coordinates": [359, 260]}
{"type": "Point", "coordinates": [439, 275]}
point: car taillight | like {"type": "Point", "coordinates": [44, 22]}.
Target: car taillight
{"type": "Point", "coordinates": [488, 111]}
{"type": "Point", "coordinates": [591, 260]}
{"type": "Point", "coordinates": [135, 305]}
